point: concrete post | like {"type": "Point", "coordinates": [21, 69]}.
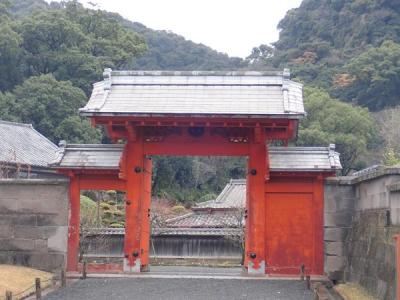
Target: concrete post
{"type": "Point", "coordinates": [74, 225]}
{"type": "Point", "coordinates": [397, 238]}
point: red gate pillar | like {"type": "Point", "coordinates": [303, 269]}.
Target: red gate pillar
{"type": "Point", "coordinates": [145, 213]}
{"type": "Point", "coordinates": [255, 221]}
{"type": "Point", "coordinates": [135, 170]}
{"type": "Point", "coordinates": [73, 224]}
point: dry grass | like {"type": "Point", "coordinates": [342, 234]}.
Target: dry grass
{"type": "Point", "coordinates": [21, 280]}
{"type": "Point", "coordinates": [352, 291]}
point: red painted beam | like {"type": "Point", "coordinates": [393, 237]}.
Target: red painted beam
{"type": "Point", "coordinates": [121, 127]}
{"type": "Point", "coordinates": [102, 184]}
{"type": "Point", "coordinates": [194, 121]}
{"type": "Point", "coordinates": [194, 149]}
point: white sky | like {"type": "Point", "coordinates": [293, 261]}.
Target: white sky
{"type": "Point", "coordinates": [230, 26]}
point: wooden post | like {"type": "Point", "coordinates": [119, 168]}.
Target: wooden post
{"type": "Point", "coordinates": [8, 295]}
{"type": "Point", "coordinates": [74, 224]}
{"type": "Point", "coordinates": [38, 289]}
{"type": "Point", "coordinates": [397, 238]}
{"type": "Point", "coordinates": [302, 271]}
{"type": "Point", "coordinates": [308, 282]}
{"type": "Point", "coordinates": [84, 271]}
{"type": "Point", "coordinates": [63, 279]}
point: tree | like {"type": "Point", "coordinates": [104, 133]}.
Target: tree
{"type": "Point", "coordinates": [10, 51]}
{"type": "Point", "coordinates": [389, 123]}
{"type": "Point", "coordinates": [375, 77]}
{"type": "Point", "coordinates": [351, 128]}
{"type": "Point", "coordinates": [349, 48]}
{"type": "Point", "coordinates": [260, 55]}
{"type": "Point", "coordinates": [74, 129]}
{"type": "Point", "coordinates": [48, 104]}
{"type": "Point", "coordinates": [76, 44]}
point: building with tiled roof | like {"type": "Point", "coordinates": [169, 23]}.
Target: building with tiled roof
{"type": "Point", "coordinates": [222, 216]}
{"type": "Point", "coordinates": [24, 152]}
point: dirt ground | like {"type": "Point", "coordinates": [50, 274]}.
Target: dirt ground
{"type": "Point", "coordinates": [350, 291]}
{"type": "Point", "coordinates": [21, 280]}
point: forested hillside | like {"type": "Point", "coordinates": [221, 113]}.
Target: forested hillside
{"type": "Point", "coordinates": [349, 47]}
{"type": "Point", "coordinates": [346, 52]}
{"type": "Point", "coordinates": [169, 51]}
{"type": "Point", "coordinates": [50, 54]}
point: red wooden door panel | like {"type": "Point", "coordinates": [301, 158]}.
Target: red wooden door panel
{"type": "Point", "coordinates": [290, 236]}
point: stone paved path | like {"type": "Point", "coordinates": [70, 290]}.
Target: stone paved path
{"type": "Point", "coordinates": [181, 288]}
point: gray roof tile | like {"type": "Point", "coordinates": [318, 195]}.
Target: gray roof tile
{"type": "Point", "coordinates": [22, 144]}
{"type": "Point", "coordinates": [196, 93]}
{"type": "Point", "coordinates": [90, 156]}
{"type": "Point", "coordinates": [293, 159]}
{"type": "Point", "coordinates": [231, 196]}
{"type": "Point", "coordinates": [206, 219]}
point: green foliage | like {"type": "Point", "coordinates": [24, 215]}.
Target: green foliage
{"type": "Point", "coordinates": [116, 225]}
{"type": "Point", "coordinates": [88, 210]}
{"type": "Point", "coordinates": [188, 180]}
{"type": "Point", "coordinates": [391, 158]}
{"type": "Point", "coordinates": [351, 128]}
{"type": "Point", "coordinates": [349, 47]}
{"type": "Point", "coordinates": [22, 8]}
{"type": "Point", "coordinates": [76, 44]}
{"type": "Point", "coordinates": [376, 74]}
{"type": "Point", "coordinates": [178, 209]}
{"type": "Point", "coordinates": [49, 104]}
{"type": "Point", "coordinates": [77, 130]}
{"type": "Point", "coordinates": [49, 58]}
{"type": "Point", "coordinates": [10, 56]}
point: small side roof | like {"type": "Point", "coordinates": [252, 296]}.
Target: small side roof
{"type": "Point", "coordinates": [285, 159]}
{"type": "Point", "coordinates": [22, 144]}
{"type": "Point", "coordinates": [304, 159]}
{"type": "Point", "coordinates": [232, 196]}
{"type": "Point", "coordinates": [89, 156]}
{"type": "Point", "coordinates": [215, 219]}
{"type": "Point", "coordinates": [196, 93]}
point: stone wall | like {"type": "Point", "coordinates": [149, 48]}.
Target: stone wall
{"type": "Point", "coordinates": [339, 201]}
{"type": "Point", "coordinates": [362, 215]}
{"type": "Point", "coordinates": [34, 222]}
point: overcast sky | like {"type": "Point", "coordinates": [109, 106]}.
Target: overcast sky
{"type": "Point", "coordinates": [230, 26]}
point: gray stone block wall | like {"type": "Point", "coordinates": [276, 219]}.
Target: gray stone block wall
{"type": "Point", "coordinates": [374, 193]}
{"type": "Point", "coordinates": [370, 252]}
{"type": "Point", "coordinates": [34, 222]}
{"type": "Point", "coordinates": [362, 214]}
{"type": "Point", "coordinates": [339, 201]}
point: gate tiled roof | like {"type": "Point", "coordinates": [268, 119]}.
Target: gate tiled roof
{"type": "Point", "coordinates": [196, 93]}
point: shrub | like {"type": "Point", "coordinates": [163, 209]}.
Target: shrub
{"type": "Point", "coordinates": [178, 209]}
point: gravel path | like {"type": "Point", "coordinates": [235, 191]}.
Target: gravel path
{"type": "Point", "coordinates": [167, 288]}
